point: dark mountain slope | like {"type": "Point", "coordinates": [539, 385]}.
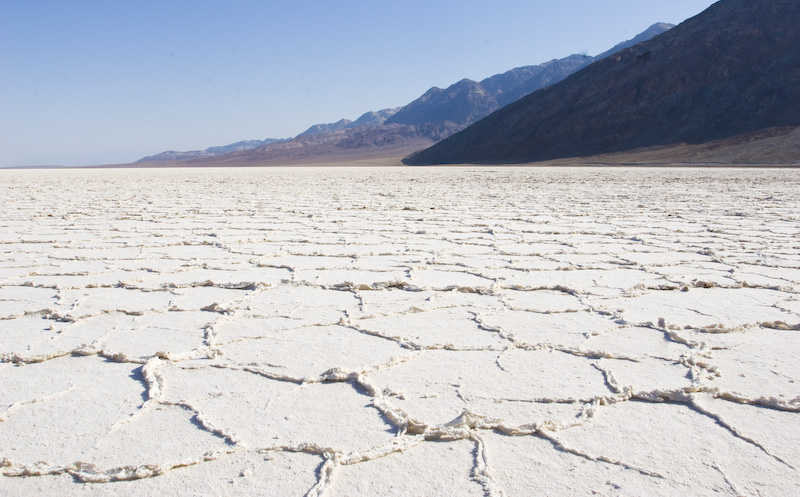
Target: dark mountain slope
{"type": "Point", "coordinates": [732, 70]}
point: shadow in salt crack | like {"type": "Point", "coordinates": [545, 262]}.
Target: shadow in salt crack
{"type": "Point", "coordinates": [475, 453]}
{"type": "Point", "coordinates": [391, 427]}
{"type": "Point", "coordinates": [320, 473]}
{"type": "Point", "coordinates": [200, 426]}
{"type": "Point", "coordinates": [138, 375]}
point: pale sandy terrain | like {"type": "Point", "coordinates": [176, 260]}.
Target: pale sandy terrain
{"type": "Point", "coordinates": [400, 331]}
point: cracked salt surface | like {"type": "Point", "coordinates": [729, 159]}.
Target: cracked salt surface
{"type": "Point", "coordinates": [399, 331]}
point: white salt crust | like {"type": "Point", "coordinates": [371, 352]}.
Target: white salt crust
{"type": "Point", "coordinates": [400, 331]}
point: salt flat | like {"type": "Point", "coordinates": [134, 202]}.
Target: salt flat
{"type": "Point", "coordinates": [399, 331]}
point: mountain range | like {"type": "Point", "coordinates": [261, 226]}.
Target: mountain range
{"type": "Point", "coordinates": [727, 79]}
{"type": "Point", "coordinates": [435, 115]}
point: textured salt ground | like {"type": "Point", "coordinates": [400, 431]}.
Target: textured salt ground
{"type": "Point", "coordinates": [471, 331]}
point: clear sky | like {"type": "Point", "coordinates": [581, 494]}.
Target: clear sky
{"type": "Point", "coordinates": [110, 81]}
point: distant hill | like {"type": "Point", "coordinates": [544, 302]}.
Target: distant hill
{"type": "Point", "coordinates": [462, 103]}
{"type": "Point", "coordinates": [432, 117]}
{"type": "Point", "coordinates": [373, 118]}
{"type": "Point", "coordinates": [392, 140]}
{"type": "Point", "coordinates": [319, 129]}
{"type": "Point", "coordinates": [209, 152]}
{"type": "Point", "coordinates": [516, 83]}
{"type": "Point", "coordinates": [731, 71]}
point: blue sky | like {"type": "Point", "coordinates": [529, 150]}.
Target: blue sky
{"type": "Point", "coordinates": [99, 82]}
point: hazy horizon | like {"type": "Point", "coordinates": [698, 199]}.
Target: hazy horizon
{"type": "Point", "coordinates": [103, 84]}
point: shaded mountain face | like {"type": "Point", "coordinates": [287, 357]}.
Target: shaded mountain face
{"type": "Point", "coordinates": [464, 102]}
{"type": "Point", "coordinates": [516, 83]}
{"type": "Point", "coordinates": [732, 70]}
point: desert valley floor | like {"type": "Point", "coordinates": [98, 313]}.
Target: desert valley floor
{"type": "Point", "coordinates": [400, 331]}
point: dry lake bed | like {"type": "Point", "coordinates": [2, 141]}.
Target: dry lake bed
{"type": "Point", "coordinates": [400, 331]}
